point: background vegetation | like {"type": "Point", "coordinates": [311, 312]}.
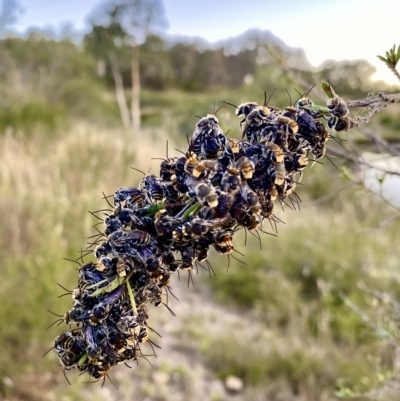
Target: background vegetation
{"type": "Point", "coordinates": [294, 336]}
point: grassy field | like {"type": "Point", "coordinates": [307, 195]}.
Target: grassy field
{"type": "Point", "coordinates": [297, 336]}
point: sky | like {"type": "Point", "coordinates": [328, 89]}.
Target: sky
{"type": "Point", "coordinates": [335, 29]}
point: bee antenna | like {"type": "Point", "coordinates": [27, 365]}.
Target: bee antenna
{"type": "Point", "coordinates": [290, 97]}
{"type": "Point", "coordinates": [106, 198]}
{"type": "Point", "coordinates": [66, 378]}
{"type": "Point", "coordinates": [331, 162]}
{"type": "Point", "coordinates": [198, 117]}
{"type": "Point", "coordinates": [180, 151]}
{"type": "Point", "coordinates": [154, 331]}
{"type": "Point", "coordinates": [167, 150]}
{"type": "Point", "coordinates": [230, 104]}
{"type": "Point", "coordinates": [97, 217]}
{"type": "Point", "coordinates": [337, 140]}
{"type": "Point", "coordinates": [229, 262]}
{"type": "Point", "coordinates": [47, 352]}
{"type": "Point", "coordinates": [169, 290]}
{"type": "Point", "coordinates": [240, 261]}
{"type": "Point", "coordinates": [140, 171]}
{"type": "Point", "coordinates": [70, 260]}
{"type": "Point", "coordinates": [266, 232]}
{"type": "Point", "coordinates": [68, 291]}
{"type": "Point", "coordinates": [215, 105]}
{"type": "Point", "coordinates": [265, 96]}
{"type": "Point", "coordinates": [109, 378]}
{"type": "Point", "coordinates": [298, 92]}
{"type": "Point", "coordinates": [219, 108]}
{"type": "Point", "coordinates": [190, 277]}
{"type": "Point", "coordinates": [142, 356]}
{"type": "Point", "coordinates": [170, 310]}
{"type": "Point", "coordinates": [210, 266]}
{"type": "Point", "coordinates": [55, 314]}
{"type": "Point", "coordinates": [306, 94]}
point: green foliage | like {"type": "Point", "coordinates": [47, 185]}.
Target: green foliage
{"type": "Point", "coordinates": [392, 56]}
{"type": "Point", "coordinates": [32, 115]}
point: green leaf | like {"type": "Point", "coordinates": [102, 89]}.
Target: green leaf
{"type": "Point", "coordinates": [153, 209]}
{"type": "Point", "coordinates": [109, 287]}
{"type": "Point", "coordinates": [327, 89]}
{"type": "Point", "coordinates": [132, 298]}
{"type": "Point", "coordinates": [192, 210]}
{"type": "Point", "coordinates": [321, 109]}
{"type": "Point", "coordinates": [383, 58]}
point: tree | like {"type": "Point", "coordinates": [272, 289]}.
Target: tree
{"type": "Point", "coordinates": [135, 19]}
{"type": "Point", "coordinates": [9, 10]}
{"type": "Point", "coordinates": [101, 41]}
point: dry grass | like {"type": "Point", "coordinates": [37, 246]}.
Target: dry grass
{"type": "Point", "coordinates": [286, 332]}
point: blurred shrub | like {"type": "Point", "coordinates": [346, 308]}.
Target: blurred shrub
{"type": "Point", "coordinates": [32, 116]}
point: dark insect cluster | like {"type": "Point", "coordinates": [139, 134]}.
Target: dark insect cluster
{"type": "Point", "coordinates": [169, 222]}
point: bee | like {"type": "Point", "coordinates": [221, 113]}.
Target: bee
{"type": "Point", "coordinates": [290, 125]}
{"type": "Point", "coordinates": [133, 195]}
{"type": "Point", "coordinates": [245, 167]}
{"type": "Point", "coordinates": [117, 340]}
{"type": "Point", "coordinates": [213, 147]}
{"type": "Point", "coordinates": [166, 168]}
{"type": "Point", "coordinates": [143, 335]}
{"type": "Point", "coordinates": [231, 181]}
{"type": "Point", "coordinates": [245, 218]}
{"type": "Point", "coordinates": [123, 267]}
{"type": "Point", "coordinates": [206, 195]}
{"type": "Point", "coordinates": [207, 126]}
{"type": "Point", "coordinates": [248, 197]}
{"type": "Point", "coordinates": [164, 278]}
{"type": "Point", "coordinates": [267, 205]}
{"type": "Point", "coordinates": [164, 224]}
{"type": "Point", "coordinates": [196, 228]}
{"type": "Point", "coordinates": [337, 106]}
{"type": "Point", "coordinates": [244, 109]}
{"type": "Point", "coordinates": [154, 187]}
{"type": "Point", "coordinates": [234, 144]}
{"type": "Point", "coordinates": [201, 250]}
{"type": "Point", "coordinates": [205, 169]}
{"type": "Point", "coordinates": [225, 202]}
{"type": "Point", "coordinates": [190, 163]}
{"type": "Point", "coordinates": [187, 257]}
{"type": "Point", "coordinates": [339, 124]}
{"type": "Point", "coordinates": [172, 195]}
{"type": "Point", "coordinates": [207, 123]}
{"type": "Point", "coordinates": [295, 162]}
{"type": "Point", "coordinates": [101, 310]}
{"type": "Point", "coordinates": [112, 225]}
{"type": "Point", "coordinates": [152, 264]}
{"type": "Point", "coordinates": [277, 173]}
{"type": "Point", "coordinates": [70, 349]}
{"type": "Point", "coordinates": [303, 100]}
{"type": "Point", "coordinates": [98, 371]}
{"type": "Point", "coordinates": [254, 120]}
{"type": "Point", "coordinates": [135, 237]}
{"type": "Point", "coordinates": [272, 152]}
{"type": "Point", "coordinates": [170, 261]}
{"type": "Point", "coordinates": [106, 264]}
{"type": "Point", "coordinates": [223, 242]}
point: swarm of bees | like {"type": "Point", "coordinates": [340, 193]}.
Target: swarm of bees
{"type": "Point", "coordinates": [168, 223]}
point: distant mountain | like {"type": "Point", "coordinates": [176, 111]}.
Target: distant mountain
{"type": "Point", "coordinates": [250, 40]}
